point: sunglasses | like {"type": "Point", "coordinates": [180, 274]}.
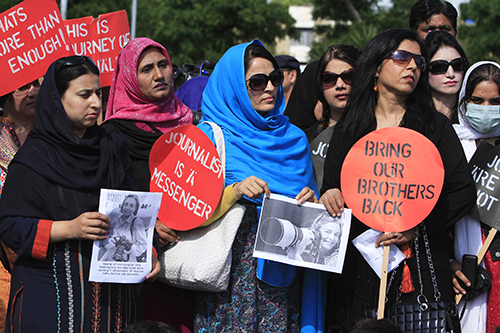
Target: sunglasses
{"type": "Point", "coordinates": [74, 61]}
{"type": "Point", "coordinates": [258, 82]}
{"type": "Point", "coordinates": [402, 57]}
{"type": "Point", "coordinates": [329, 79]}
{"type": "Point", "coordinates": [24, 90]}
{"type": "Point", "coordinates": [441, 66]}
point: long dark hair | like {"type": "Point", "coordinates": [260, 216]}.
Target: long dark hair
{"type": "Point", "coordinates": [423, 10]}
{"type": "Point", "coordinates": [343, 52]}
{"type": "Point", "coordinates": [359, 115]}
{"type": "Point", "coordinates": [486, 72]}
{"type": "Point", "coordinates": [435, 40]}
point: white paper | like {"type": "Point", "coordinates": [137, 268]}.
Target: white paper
{"type": "Point", "coordinates": [365, 243]}
{"type": "Point", "coordinates": [126, 255]}
{"type": "Point", "coordinates": [305, 235]}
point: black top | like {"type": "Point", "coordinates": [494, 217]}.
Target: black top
{"type": "Point", "coordinates": [356, 289]}
{"type": "Point", "coordinates": [53, 154]}
{"type": "Point", "coordinates": [139, 144]}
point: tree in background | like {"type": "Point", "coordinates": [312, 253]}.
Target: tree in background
{"type": "Point", "coordinates": [195, 30]}
{"type": "Point", "coordinates": [481, 39]}
{"type": "Point", "coordinates": [357, 30]}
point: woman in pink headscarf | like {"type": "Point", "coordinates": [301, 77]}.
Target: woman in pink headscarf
{"type": "Point", "coordinates": [142, 106]}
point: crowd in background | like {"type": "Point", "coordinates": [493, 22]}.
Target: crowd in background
{"type": "Point", "coordinates": [285, 132]}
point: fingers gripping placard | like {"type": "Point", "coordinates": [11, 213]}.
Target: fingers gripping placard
{"type": "Point", "coordinates": [186, 167]}
{"type": "Point", "coordinates": [392, 178]}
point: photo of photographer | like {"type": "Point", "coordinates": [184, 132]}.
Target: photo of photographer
{"type": "Point", "coordinates": [305, 235]}
{"type": "Point", "coordinates": [127, 241]}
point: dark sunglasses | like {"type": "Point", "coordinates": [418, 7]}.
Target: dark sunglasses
{"type": "Point", "coordinates": [329, 79]}
{"type": "Point", "coordinates": [74, 61]}
{"type": "Point", "coordinates": [441, 66]}
{"type": "Point", "coordinates": [258, 82]}
{"type": "Point", "coordinates": [402, 57]}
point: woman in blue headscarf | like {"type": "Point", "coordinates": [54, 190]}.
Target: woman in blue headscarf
{"type": "Point", "coordinates": [264, 153]}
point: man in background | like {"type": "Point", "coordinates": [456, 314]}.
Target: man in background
{"type": "Point", "coordinates": [291, 71]}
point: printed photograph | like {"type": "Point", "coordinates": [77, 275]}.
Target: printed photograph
{"type": "Point", "coordinates": [305, 235]}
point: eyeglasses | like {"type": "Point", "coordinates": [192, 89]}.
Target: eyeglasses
{"type": "Point", "coordinates": [329, 79]}
{"type": "Point", "coordinates": [441, 66]}
{"type": "Point", "coordinates": [24, 90]}
{"type": "Point", "coordinates": [402, 57]}
{"type": "Point", "coordinates": [258, 82]}
{"type": "Point", "coordinates": [74, 61]}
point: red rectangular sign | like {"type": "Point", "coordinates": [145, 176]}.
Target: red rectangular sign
{"type": "Point", "coordinates": [32, 36]}
{"type": "Point", "coordinates": [101, 39]}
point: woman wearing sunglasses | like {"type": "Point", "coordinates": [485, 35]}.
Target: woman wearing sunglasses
{"type": "Point", "coordinates": [48, 210]}
{"type": "Point", "coordinates": [447, 66]}
{"type": "Point", "coordinates": [479, 119]}
{"type": "Point", "coordinates": [389, 90]}
{"type": "Point", "coordinates": [18, 121]}
{"type": "Point", "coordinates": [333, 81]}
{"type": "Point", "coordinates": [264, 154]}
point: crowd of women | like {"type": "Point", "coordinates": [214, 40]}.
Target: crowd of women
{"type": "Point", "coordinates": [58, 159]}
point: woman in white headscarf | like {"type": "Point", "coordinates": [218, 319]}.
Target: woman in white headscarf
{"type": "Point", "coordinates": [479, 119]}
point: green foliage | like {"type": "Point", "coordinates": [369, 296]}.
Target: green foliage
{"type": "Point", "coordinates": [294, 2]}
{"type": "Point", "coordinates": [337, 10]}
{"type": "Point", "coordinates": [6, 4]}
{"type": "Point", "coordinates": [375, 20]}
{"type": "Point", "coordinates": [356, 34]}
{"type": "Point", "coordinates": [204, 29]}
{"type": "Point", "coordinates": [482, 39]}
{"type": "Point", "coordinates": [195, 30]}
{"type": "Point", "coordinates": [82, 8]}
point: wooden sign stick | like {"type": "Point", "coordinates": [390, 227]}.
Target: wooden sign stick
{"type": "Point", "coordinates": [383, 282]}
{"type": "Point", "coordinates": [481, 253]}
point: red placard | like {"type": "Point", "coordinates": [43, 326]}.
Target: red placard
{"type": "Point", "coordinates": [101, 39]}
{"type": "Point", "coordinates": [32, 36]}
{"type": "Point", "coordinates": [392, 178]}
{"type": "Point", "coordinates": [186, 168]}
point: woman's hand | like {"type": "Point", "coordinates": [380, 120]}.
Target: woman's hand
{"type": "Point", "coordinates": [333, 201]}
{"type": "Point", "coordinates": [252, 187]}
{"type": "Point", "coordinates": [306, 195]}
{"type": "Point", "coordinates": [166, 234]}
{"type": "Point", "coordinates": [456, 270]}
{"type": "Point", "coordinates": [388, 238]}
{"type": "Point", "coordinates": [154, 271]}
{"type": "Point", "coordinates": [88, 226]}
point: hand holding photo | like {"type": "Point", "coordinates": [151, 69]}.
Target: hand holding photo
{"type": "Point", "coordinates": [126, 255]}
{"type": "Point", "coordinates": [305, 235]}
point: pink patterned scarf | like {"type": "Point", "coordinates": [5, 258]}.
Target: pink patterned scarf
{"type": "Point", "coordinates": [126, 100]}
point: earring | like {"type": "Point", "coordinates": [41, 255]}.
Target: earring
{"type": "Point", "coordinates": [375, 87]}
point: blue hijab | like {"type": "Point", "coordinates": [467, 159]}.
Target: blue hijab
{"type": "Point", "coordinates": [268, 147]}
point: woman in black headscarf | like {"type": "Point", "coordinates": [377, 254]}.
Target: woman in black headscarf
{"type": "Point", "coordinates": [48, 209]}
{"type": "Point", "coordinates": [303, 108]}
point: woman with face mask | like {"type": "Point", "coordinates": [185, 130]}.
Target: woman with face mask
{"type": "Point", "coordinates": [479, 119]}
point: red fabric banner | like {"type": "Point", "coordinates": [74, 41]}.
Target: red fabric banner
{"type": "Point", "coordinates": [32, 36]}
{"type": "Point", "coordinates": [101, 39]}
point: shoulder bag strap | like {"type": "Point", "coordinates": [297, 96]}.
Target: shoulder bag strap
{"type": "Point", "coordinates": [221, 146]}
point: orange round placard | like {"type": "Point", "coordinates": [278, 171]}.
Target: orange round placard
{"type": "Point", "coordinates": [186, 168]}
{"type": "Point", "coordinates": [392, 178]}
